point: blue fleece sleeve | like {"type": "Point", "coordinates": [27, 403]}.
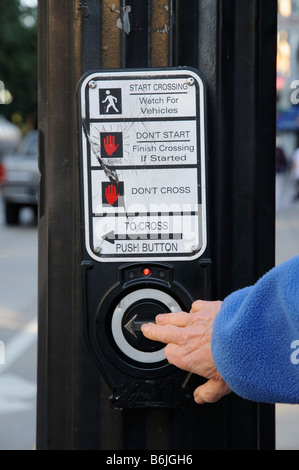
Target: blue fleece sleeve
{"type": "Point", "coordinates": [255, 340]}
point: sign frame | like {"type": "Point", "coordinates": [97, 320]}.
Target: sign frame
{"type": "Point", "coordinates": [160, 240]}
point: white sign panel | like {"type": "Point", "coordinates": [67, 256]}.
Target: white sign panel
{"type": "Point", "coordinates": [143, 164]}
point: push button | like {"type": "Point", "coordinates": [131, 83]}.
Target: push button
{"type": "Point", "coordinates": [135, 309]}
{"type": "Point", "coordinates": [139, 313]}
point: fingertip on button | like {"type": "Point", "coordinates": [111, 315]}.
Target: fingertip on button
{"type": "Point", "coordinates": [145, 327]}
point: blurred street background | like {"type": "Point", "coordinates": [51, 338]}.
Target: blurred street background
{"type": "Point", "coordinates": [18, 228]}
{"type": "Point", "coordinates": [18, 242]}
{"type": "Point", "coordinates": [18, 331]}
{"type": "Point", "coordinates": [287, 246]}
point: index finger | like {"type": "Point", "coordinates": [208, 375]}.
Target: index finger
{"type": "Point", "coordinates": [177, 319]}
{"type": "Point", "coordinates": [164, 334]}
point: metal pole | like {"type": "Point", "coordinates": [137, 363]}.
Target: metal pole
{"type": "Point", "coordinates": [233, 44]}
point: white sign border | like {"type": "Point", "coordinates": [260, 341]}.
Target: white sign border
{"type": "Point", "coordinates": [202, 122]}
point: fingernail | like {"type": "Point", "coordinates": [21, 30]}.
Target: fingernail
{"type": "Point", "coordinates": [160, 317]}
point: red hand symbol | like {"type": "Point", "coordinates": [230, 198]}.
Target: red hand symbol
{"type": "Point", "coordinates": [109, 144]}
{"type": "Point", "coordinates": [111, 195]}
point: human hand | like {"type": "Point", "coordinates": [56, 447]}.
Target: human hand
{"type": "Point", "coordinates": [111, 194]}
{"type": "Point", "coordinates": [188, 337]}
{"type": "Point", "coordinates": [109, 144]}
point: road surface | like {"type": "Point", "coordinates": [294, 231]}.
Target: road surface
{"type": "Point", "coordinates": [18, 333]}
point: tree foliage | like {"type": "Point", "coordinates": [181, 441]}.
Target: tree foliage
{"type": "Point", "coordinates": [18, 58]}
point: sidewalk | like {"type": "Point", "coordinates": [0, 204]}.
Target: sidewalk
{"type": "Point", "coordinates": [287, 246]}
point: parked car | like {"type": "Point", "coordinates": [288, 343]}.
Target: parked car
{"type": "Point", "coordinates": [10, 135]}
{"type": "Point", "coordinates": [19, 178]}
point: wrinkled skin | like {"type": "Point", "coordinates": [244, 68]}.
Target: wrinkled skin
{"type": "Point", "coordinates": [188, 339]}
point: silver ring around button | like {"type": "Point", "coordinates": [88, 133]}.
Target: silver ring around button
{"type": "Point", "coordinates": [116, 325]}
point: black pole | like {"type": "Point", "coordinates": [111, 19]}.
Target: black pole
{"type": "Point", "coordinates": [234, 45]}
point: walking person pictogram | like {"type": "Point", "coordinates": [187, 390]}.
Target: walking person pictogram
{"type": "Point", "coordinates": [112, 100]}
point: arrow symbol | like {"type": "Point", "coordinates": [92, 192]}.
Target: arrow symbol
{"type": "Point", "coordinates": [133, 326]}
{"type": "Point", "coordinates": [111, 237]}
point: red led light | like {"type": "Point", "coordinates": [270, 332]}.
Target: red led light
{"type": "Point", "coordinates": [146, 272]}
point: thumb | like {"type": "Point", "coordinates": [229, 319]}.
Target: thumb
{"type": "Point", "coordinates": [211, 391]}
